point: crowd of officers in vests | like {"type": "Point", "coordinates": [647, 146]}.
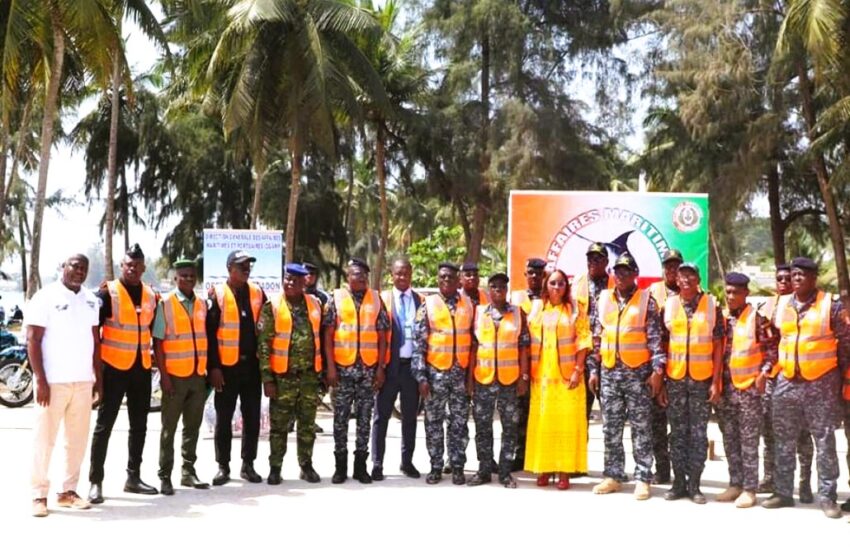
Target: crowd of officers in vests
{"type": "Point", "coordinates": [662, 356]}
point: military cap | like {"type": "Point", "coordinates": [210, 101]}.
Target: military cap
{"type": "Point", "coordinates": [672, 255]}
{"type": "Point", "coordinates": [737, 279]}
{"type": "Point", "coordinates": [450, 266]}
{"type": "Point", "coordinates": [535, 263]}
{"type": "Point", "coordinates": [469, 267]}
{"type": "Point", "coordinates": [311, 268]}
{"type": "Point", "coordinates": [784, 267]}
{"type": "Point", "coordinates": [804, 263]}
{"type": "Point", "coordinates": [628, 261]}
{"type": "Point", "coordinates": [359, 263]}
{"type": "Point", "coordinates": [135, 252]}
{"type": "Point", "coordinates": [239, 256]}
{"type": "Point", "coordinates": [184, 262]}
{"type": "Point", "coordinates": [597, 248]}
{"type": "Point", "coordinates": [295, 269]}
{"type": "Point", "coordinates": [689, 266]}
{"type": "Point", "coordinates": [498, 276]}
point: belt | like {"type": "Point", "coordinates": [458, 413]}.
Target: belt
{"type": "Point", "coordinates": [405, 360]}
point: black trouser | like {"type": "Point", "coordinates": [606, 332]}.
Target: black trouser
{"type": "Point", "coordinates": [400, 381]}
{"type": "Point", "coordinates": [243, 381]}
{"type": "Point", "coordinates": [136, 384]}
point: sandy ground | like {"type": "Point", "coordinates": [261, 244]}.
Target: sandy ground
{"type": "Point", "coordinates": [399, 517]}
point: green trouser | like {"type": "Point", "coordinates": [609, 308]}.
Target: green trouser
{"type": "Point", "coordinates": [190, 394]}
{"type": "Point", "coordinates": [296, 399]}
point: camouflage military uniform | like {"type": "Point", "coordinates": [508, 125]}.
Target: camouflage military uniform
{"type": "Point", "coordinates": [591, 366]}
{"type": "Point", "coordinates": [354, 386]}
{"type": "Point", "coordinates": [625, 395]}
{"type": "Point", "coordinates": [740, 413]}
{"type": "Point", "coordinates": [296, 389]}
{"type": "Point", "coordinates": [688, 409]}
{"type": "Point", "coordinates": [658, 421]}
{"type": "Point", "coordinates": [487, 398]}
{"type": "Point", "coordinates": [447, 388]}
{"type": "Point", "coordinates": [814, 406]}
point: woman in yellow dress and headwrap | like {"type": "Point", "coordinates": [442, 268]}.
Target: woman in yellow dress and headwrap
{"type": "Point", "coordinates": [557, 422]}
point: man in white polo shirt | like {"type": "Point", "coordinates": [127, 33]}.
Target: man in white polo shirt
{"type": "Point", "coordinates": [64, 353]}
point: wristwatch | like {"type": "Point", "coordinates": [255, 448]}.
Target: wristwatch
{"type": "Point", "coordinates": [525, 377]}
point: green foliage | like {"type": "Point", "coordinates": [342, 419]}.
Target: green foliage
{"type": "Point", "coordinates": [444, 244]}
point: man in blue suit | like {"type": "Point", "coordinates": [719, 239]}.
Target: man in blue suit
{"type": "Point", "coordinates": [401, 303]}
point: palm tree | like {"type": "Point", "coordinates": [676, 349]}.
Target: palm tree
{"type": "Point", "coordinates": [138, 11]}
{"type": "Point", "coordinates": [284, 68]}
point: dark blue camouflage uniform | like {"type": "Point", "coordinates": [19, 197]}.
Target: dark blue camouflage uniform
{"type": "Point", "coordinates": [487, 398]}
{"type": "Point", "coordinates": [448, 389]}
{"type": "Point", "coordinates": [626, 396]}
{"type": "Point", "coordinates": [740, 411]}
{"type": "Point", "coordinates": [688, 409]}
{"type": "Point", "coordinates": [591, 366]}
{"type": "Point", "coordinates": [354, 385]}
{"type": "Point", "coordinates": [658, 419]}
{"type": "Point", "coordinates": [815, 406]}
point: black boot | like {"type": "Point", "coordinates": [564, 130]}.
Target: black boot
{"type": "Point", "coordinates": [166, 488]}
{"type": "Point", "coordinates": [274, 476]}
{"type": "Point", "coordinates": [694, 492]}
{"type": "Point", "coordinates": [309, 474]}
{"type": "Point", "coordinates": [222, 476]}
{"type": "Point", "coordinates": [135, 485]}
{"type": "Point", "coordinates": [248, 473]}
{"type": "Point", "coordinates": [341, 472]}
{"type": "Point", "coordinates": [96, 493]}
{"type": "Point", "coordinates": [360, 471]}
{"type": "Point", "coordinates": [679, 488]}
{"type": "Point", "coordinates": [805, 487]}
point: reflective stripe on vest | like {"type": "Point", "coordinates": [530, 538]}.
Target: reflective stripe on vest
{"type": "Point", "coordinates": [554, 325]}
{"type": "Point", "coordinates": [450, 335]}
{"type": "Point", "coordinates": [623, 332]}
{"type": "Point", "coordinates": [279, 358]}
{"type": "Point", "coordinates": [185, 342]}
{"type": "Point", "coordinates": [768, 311]}
{"type": "Point", "coordinates": [498, 347]}
{"type": "Point", "coordinates": [530, 306]}
{"type": "Point", "coordinates": [127, 333]}
{"type": "Point", "coordinates": [691, 342]}
{"type": "Point", "coordinates": [746, 357]}
{"type": "Point", "coordinates": [581, 291]}
{"type": "Point", "coordinates": [228, 327]}
{"type": "Point", "coordinates": [808, 341]}
{"type": "Point", "coordinates": [356, 332]}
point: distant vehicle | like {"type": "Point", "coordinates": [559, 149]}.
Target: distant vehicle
{"type": "Point", "coordinates": [16, 377]}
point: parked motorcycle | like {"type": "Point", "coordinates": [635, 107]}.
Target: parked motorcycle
{"type": "Point", "coordinates": [16, 377]}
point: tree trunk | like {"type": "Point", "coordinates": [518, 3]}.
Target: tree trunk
{"type": "Point", "coordinates": [50, 113]}
{"type": "Point", "coordinates": [23, 240]}
{"type": "Point", "coordinates": [349, 198]}
{"type": "Point", "coordinates": [479, 213]}
{"type": "Point", "coordinates": [112, 166]}
{"type": "Point", "coordinates": [16, 160]}
{"type": "Point", "coordinates": [720, 269]}
{"type": "Point", "coordinates": [125, 207]}
{"type": "Point", "coordinates": [260, 170]}
{"type": "Point", "coordinates": [382, 193]}
{"type": "Point", "coordinates": [4, 146]}
{"type": "Point", "coordinates": [836, 232]}
{"type": "Point", "coordinates": [777, 226]}
{"type": "Point", "coordinates": [294, 192]}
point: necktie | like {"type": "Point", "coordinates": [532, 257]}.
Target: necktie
{"type": "Point", "coordinates": [402, 315]}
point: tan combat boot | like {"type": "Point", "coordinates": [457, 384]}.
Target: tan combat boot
{"type": "Point", "coordinates": [607, 486]}
{"type": "Point", "coordinates": [642, 490]}
{"type": "Point", "coordinates": [730, 494]}
{"type": "Point", "coordinates": [746, 500]}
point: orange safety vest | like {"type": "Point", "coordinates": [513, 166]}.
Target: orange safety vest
{"type": "Point", "coordinates": [228, 327]}
{"type": "Point", "coordinates": [498, 346]}
{"type": "Point", "coordinates": [279, 358]}
{"type": "Point", "coordinates": [691, 342]}
{"type": "Point", "coordinates": [807, 341]}
{"type": "Point", "coordinates": [768, 311]}
{"type": "Point", "coordinates": [581, 291]}
{"type": "Point", "coordinates": [483, 298]}
{"type": "Point", "coordinates": [556, 322]}
{"type": "Point", "coordinates": [450, 335]}
{"type": "Point", "coordinates": [624, 332]}
{"type": "Point", "coordinates": [185, 342]}
{"type": "Point", "coordinates": [127, 332]}
{"type": "Point", "coordinates": [530, 306]}
{"type": "Point", "coordinates": [746, 356]}
{"type": "Point", "coordinates": [356, 333]}
{"type": "Point", "coordinates": [658, 290]}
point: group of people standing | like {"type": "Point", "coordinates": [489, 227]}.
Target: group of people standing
{"type": "Point", "coordinates": [539, 356]}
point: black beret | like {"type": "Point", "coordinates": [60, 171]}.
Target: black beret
{"type": "Point", "coordinates": [498, 276]}
{"type": "Point", "coordinates": [784, 267]}
{"type": "Point", "coordinates": [469, 267]}
{"type": "Point", "coordinates": [450, 266]}
{"type": "Point", "coordinates": [135, 252]}
{"type": "Point", "coordinates": [804, 263]}
{"type": "Point", "coordinates": [535, 263]}
{"type": "Point", "coordinates": [672, 255]}
{"type": "Point", "coordinates": [359, 263]}
{"type": "Point", "coordinates": [597, 248]}
{"type": "Point", "coordinates": [737, 279]}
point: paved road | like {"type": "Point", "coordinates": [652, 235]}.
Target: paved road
{"type": "Point", "coordinates": [399, 517]}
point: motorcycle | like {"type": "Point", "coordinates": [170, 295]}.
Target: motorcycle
{"type": "Point", "coordinates": [16, 377]}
